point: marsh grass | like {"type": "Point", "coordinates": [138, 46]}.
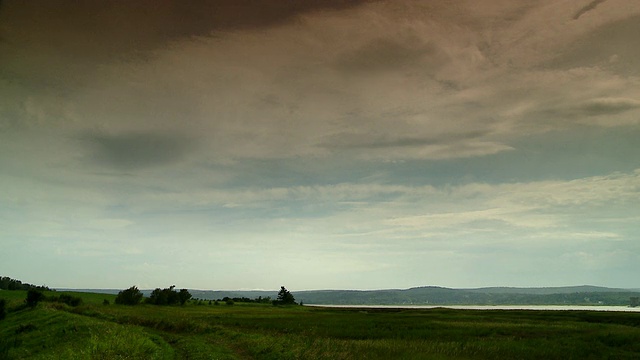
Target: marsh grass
{"type": "Point", "coordinates": [254, 331]}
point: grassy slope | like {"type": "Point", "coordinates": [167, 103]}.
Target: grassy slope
{"type": "Point", "coordinates": [96, 331]}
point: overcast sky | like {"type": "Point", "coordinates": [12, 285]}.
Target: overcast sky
{"type": "Point", "coordinates": [320, 144]}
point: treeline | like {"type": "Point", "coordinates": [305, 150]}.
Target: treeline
{"type": "Point", "coordinates": [166, 296]}
{"type": "Point", "coordinates": [7, 283]}
{"type": "Point", "coordinates": [258, 300]}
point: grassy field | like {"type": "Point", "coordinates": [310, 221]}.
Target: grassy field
{"type": "Point", "coordinates": [253, 331]}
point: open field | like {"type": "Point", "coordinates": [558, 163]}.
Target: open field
{"type": "Point", "coordinates": [253, 331]}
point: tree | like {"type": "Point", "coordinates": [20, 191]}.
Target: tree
{"type": "Point", "coordinates": [159, 297]}
{"type": "Point", "coordinates": [130, 296]}
{"type": "Point", "coordinates": [7, 283]}
{"type": "Point", "coordinates": [284, 297]}
{"type": "Point", "coordinates": [184, 296]}
{"type": "Point", "coordinates": [168, 296]}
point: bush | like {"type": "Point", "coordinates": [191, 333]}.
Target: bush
{"type": "Point", "coordinates": [33, 298]}
{"type": "Point", "coordinates": [130, 296]}
{"type": "Point", "coordinates": [169, 296]}
{"type": "Point", "coordinates": [66, 299]}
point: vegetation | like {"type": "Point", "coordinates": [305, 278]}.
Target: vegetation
{"type": "Point", "coordinates": [65, 299]}
{"type": "Point", "coordinates": [258, 331]}
{"type": "Point", "coordinates": [80, 326]}
{"type": "Point", "coordinates": [168, 296]}
{"type": "Point", "coordinates": [284, 297]}
{"type": "Point", "coordinates": [33, 298]}
{"type": "Point", "coordinates": [130, 296]}
{"type": "Point", "coordinates": [7, 283]}
{"type": "Point", "coordinates": [258, 300]}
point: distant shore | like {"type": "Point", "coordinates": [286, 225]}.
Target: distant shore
{"type": "Point", "coordinates": [492, 307]}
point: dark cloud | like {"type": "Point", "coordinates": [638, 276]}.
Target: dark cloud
{"type": "Point", "coordinates": [609, 106]}
{"type": "Point", "coordinates": [60, 45]}
{"type": "Point", "coordinates": [385, 54]}
{"type": "Point", "coordinates": [137, 150]}
{"type": "Point", "coordinates": [607, 46]}
{"type": "Point", "coordinates": [592, 5]}
{"type": "Point", "coordinates": [351, 141]}
{"type": "Point", "coordinates": [112, 27]}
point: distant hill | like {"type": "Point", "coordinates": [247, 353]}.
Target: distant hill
{"type": "Point", "coordinates": [576, 295]}
{"type": "Point", "coordinates": [548, 290]}
{"type": "Point", "coordinates": [433, 295]}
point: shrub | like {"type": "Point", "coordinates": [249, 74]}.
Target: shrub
{"type": "Point", "coordinates": [33, 298]}
{"type": "Point", "coordinates": [68, 299]}
{"type": "Point", "coordinates": [169, 296]}
{"type": "Point", "coordinates": [130, 296]}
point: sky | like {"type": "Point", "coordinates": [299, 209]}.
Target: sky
{"type": "Point", "coordinates": [330, 144]}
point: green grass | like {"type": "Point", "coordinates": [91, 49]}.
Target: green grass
{"type": "Point", "coordinates": [253, 331]}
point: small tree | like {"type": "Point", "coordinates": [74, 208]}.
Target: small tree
{"type": "Point", "coordinates": [284, 297]}
{"type": "Point", "coordinates": [33, 297]}
{"type": "Point", "coordinates": [184, 296]}
{"type": "Point", "coordinates": [131, 296]}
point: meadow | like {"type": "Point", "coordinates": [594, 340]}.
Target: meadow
{"type": "Point", "coordinates": [95, 330]}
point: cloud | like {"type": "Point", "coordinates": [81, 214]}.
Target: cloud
{"type": "Point", "coordinates": [387, 54]}
{"type": "Point", "coordinates": [609, 106]}
{"type": "Point", "coordinates": [411, 81]}
{"type": "Point", "coordinates": [134, 151]}
{"type": "Point", "coordinates": [143, 25]}
{"type": "Point", "coordinates": [374, 141]}
{"type": "Point", "coordinates": [592, 5]}
{"type": "Point", "coordinates": [604, 44]}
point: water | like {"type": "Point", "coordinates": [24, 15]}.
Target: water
{"type": "Point", "coordinates": [493, 307]}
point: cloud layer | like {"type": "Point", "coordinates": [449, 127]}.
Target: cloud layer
{"type": "Point", "coordinates": [368, 142]}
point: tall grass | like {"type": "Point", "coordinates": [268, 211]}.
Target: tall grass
{"type": "Point", "coordinates": [97, 331]}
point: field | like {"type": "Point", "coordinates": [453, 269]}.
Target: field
{"type": "Point", "coordinates": [94, 330]}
